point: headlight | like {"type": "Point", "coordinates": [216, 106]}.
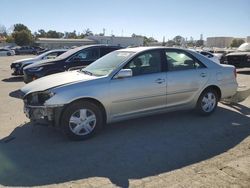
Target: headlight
{"type": "Point", "coordinates": [35, 69]}
{"type": "Point", "coordinates": [39, 98]}
{"type": "Point", "coordinates": [17, 65]}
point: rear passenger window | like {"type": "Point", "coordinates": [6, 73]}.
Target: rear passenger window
{"type": "Point", "coordinates": [181, 61]}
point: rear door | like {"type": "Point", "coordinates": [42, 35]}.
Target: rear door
{"type": "Point", "coordinates": [186, 76]}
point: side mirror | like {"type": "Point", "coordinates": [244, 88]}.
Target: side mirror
{"type": "Point", "coordinates": [124, 73]}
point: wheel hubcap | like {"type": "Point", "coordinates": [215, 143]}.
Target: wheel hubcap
{"type": "Point", "coordinates": [82, 122]}
{"type": "Point", "coordinates": [208, 102]}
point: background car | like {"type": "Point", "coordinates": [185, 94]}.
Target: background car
{"type": "Point", "coordinates": [73, 59]}
{"type": "Point", "coordinates": [126, 84]}
{"type": "Point", "coordinates": [25, 50]}
{"type": "Point", "coordinates": [17, 66]}
{"type": "Point", "coordinates": [240, 58]}
{"type": "Point", "coordinates": [6, 52]}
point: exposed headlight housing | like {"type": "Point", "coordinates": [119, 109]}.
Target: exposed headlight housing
{"type": "Point", "coordinates": [38, 98]}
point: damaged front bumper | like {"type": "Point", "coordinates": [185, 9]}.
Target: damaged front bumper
{"type": "Point", "coordinates": [43, 114]}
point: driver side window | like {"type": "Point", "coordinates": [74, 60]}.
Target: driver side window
{"type": "Point", "coordinates": [147, 63]}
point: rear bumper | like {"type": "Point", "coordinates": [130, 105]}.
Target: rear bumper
{"type": "Point", "coordinates": [228, 90]}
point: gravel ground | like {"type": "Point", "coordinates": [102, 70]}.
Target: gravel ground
{"type": "Point", "coordinates": [177, 149]}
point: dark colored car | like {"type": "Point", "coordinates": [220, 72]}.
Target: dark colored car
{"type": "Point", "coordinates": [25, 50]}
{"type": "Point", "coordinates": [241, 58]}
{"type": "Point", "coordinates": [40, 50]}
{"type": "Point", "coordinates": [18, 65]}
{"type": "Point", "coordinates": [73, 59]}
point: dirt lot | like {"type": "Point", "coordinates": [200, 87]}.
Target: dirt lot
{"type": "Point", "coordinates": [177, 149]}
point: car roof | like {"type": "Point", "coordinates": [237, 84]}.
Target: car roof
{"type": "Point", "coordinates": [141, 49]}
{"type": "Point", "coordinates": [58, 50]}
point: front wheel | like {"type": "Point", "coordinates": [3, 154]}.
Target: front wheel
{"type": "Point", "coordinates": [81, 120]}
{"type": "Point", "coordinates": [207, 102]}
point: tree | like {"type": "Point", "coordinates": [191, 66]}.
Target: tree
{"type": "Point", "coordinates": [178, 40]}
{"type": "Point", "coordinates": [237, 42]}
{"type": "Point", "coordinates": [9, 39]}
{"type": "Point", "coordinates": [20, 27]}
{"type": "Point", "coordinates": [170, 43]}
{"type": "Point", "coordinates": [23, 37]}
{"type": "Point", "coordinates": [54, 34]}
{"type": "Point", "coordinates": [199, 43]}
{"type": "Point", "coordinates": [41, 33]}
{"type": "Point", "coordinates": [71, 35]}
{"type": "Point", "coordinates": [147, 40]}
{"type": "Point", "coordinates": [87, 32]}
{"type": "Point", "coordinates": [3, 31]}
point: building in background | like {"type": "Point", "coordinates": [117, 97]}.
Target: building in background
{"type": "Point", "coordinates": [248, 39]}
{"type": "Point", "coordinates": [117, 41]}
{"type": "Point", "coordinates": [53, 43]}
{"type": "Point", "coordinates": [220, 42]}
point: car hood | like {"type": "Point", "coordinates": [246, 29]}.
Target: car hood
{"type": "Point", "coordinates": [23, 60]}
{"type": "Point", "coordinates": [55, 80]}
{"type": "Point", "coordinates": [41, 63]}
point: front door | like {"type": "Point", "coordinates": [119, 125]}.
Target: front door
{"type": "Point", "coordinates": [144, 91]}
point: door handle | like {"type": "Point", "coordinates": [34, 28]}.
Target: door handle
{"type": "Point", "coordinates": [203, 74]}
{"type": "Point", "coordinates": [159, 80]}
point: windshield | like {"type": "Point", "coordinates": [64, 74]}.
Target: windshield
{"type": "Point", "coordinates": [107, 63]}
{"type": "Point", "coordinates": [43, 54]}
{"type": "Point", "coordinates": [69, 53]}
{"type": "Point", "coordinates": [244, 47]}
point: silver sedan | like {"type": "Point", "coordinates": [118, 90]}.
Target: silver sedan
{"type": "Point", "coordinates": [126, 84]}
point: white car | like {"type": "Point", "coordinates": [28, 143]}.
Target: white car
{"type": "Point", "coordinates": [6, 52]}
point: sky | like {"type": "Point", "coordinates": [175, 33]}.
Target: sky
{"type": "Point", "coordinates": [152, 18]}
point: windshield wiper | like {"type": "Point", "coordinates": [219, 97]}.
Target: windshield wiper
{"type": "Point", "coordinates": [87, 72]}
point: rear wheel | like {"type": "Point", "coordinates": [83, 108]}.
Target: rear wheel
{"type": "Point", "coordinates": [207, 102]}
{"type": "Point", "coordinates": [81, 120]}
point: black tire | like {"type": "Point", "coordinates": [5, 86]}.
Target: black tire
{"type": "Point", "coordinates": [200, 106]}
{"type": "Point", "coordinates": [72, 110]}
{"type": "Point", "coordinates": [8, 54]}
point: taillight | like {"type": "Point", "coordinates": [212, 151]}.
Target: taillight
{"type": "Point", "coordinates": [235, 73]}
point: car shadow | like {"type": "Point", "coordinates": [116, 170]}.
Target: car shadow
{"type": "Point", "coordinates": [239, 107]}
{"type": "Point", "coordinates": [134, 149]}
{"type": "Point", "coordinates": [13, 79]}
{"type": "Point", "coordinates": [247, 72]}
